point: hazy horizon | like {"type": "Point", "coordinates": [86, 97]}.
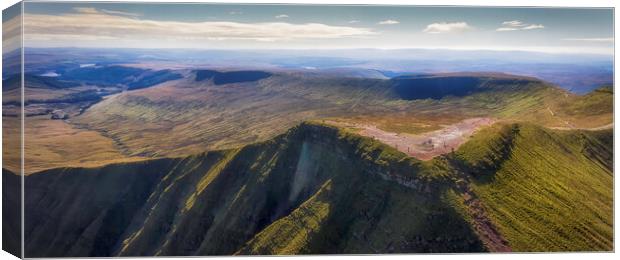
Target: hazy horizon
{"type": "Point", "coordinates": [272, 27]}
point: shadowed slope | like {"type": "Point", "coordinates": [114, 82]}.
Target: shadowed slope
{"type": "Point", "coordinates": [228, 77]}
{"type": "Point", "coordinates": [318, 189]}
{"type": "Point", "coordinates": [133, 78]}
{"type": "Point", "coordinates": [216, 203]}
{"type": "Point", "coordinates": [454, 84]}
{"type": "Point", "coordinates": [34, 81]}
{"type": "Point", "coordinates": [11, 213]}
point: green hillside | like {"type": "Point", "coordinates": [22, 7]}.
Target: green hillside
{"type": "Point", "coordinates": [206, 116]}
{"type": "Point", "coordinates": [546, 190]}
{"type": "Point", "coordinates": [228, 202]}
{"type": "Point", "coordinates": [596, 102]}
{"type": "Point", "coordinates": [319, 189]}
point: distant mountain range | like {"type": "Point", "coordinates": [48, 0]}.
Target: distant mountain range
{"type": "Point", "coordinates": [579, 73]}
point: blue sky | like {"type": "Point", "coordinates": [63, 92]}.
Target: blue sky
{"type": "Point", "coordinates": [225, 26]}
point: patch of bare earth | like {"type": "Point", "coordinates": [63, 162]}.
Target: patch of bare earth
{"type": "Point", "coordinates": [428, 145]}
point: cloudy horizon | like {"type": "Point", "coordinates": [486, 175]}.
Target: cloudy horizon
{"type": "Point", "coordinates": [219, 26]}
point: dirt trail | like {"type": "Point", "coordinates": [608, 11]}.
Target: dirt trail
{"type": "Point", "coordinates": [483, 226]}
{"type": "Point", "coordinates": [570, 126]}
{"type": "Point", "coordinates": [603, 127]}
{"type": "Point", "coordinates": [428, 145]}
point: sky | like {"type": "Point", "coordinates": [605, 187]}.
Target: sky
{"type": "Point", "coordinates": [11, 28]}
{"type": "Point", "coordinates": [229, 26]}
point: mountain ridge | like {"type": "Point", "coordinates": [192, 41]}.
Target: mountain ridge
{"type": "Point", "coordinates": [297, 184]}
{"type": "Point", "coordinates": [374, 155]}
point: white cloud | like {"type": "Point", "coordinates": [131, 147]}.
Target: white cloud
{"type": "Point", "coordinates": [91, 10]}
{"type": "Point", "coordinates": [280, 16]}
{"type": "Point", "coordinates": [119, 13]}
{"type": "Point", "coordinates": [89, 24]}
{"type": "Point", "coordinates": [446, 27]}
{"type": "Point", "coordinates": [389, 22]}
{"type": "Point", "coordinates": [610, 39]}
{"type": "Point", "coordinates": [506, 29]}
{"type": "Point", "coordinates": [86, 10]}
{"type": "Point", "coordinates": [354, 21]}
{"type": "Point", "coordinates": [516, 25]}
{"type": "Point", "coordinates": [235, 12]}
{"type": "Point", "coordinates": [533, 26]}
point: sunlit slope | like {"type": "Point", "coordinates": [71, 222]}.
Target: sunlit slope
{"type": "Point", "coordinates": [547, 190]}
{"type": "Point", "coordinates": [337, 186]}
{"type": "Point", "coordinates": [349, 214]}
{"type": "Point", "coordinates": [591, 110]}
{"type": "Point", "coordinates": [192, 116]}
{"type": "Point", "coordinates": [318, 189]}
{"type": "Point", "coordinates": [188, 116]}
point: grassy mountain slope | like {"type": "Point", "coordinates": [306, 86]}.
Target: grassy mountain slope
{"type": "Point", "coordinates": [207, 116]}
{"type": "Point", "coordinates": [319, 189]}
{"type": "Point", "coordinates": [11, 213]}
{"type": "Point", "coordinates": [82, 211]}
{"type": "Point", "coordinates": [590, 110]}
{"type": "Point", "coordinates": [546, 190]}
{"type": "Point", "coordinates": [596, 102]}
{"type": "Point", "coordinates": [230, 201]}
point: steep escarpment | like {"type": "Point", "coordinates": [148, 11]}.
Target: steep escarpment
{"type": "Point", "coordinates": [133, 78]}
{"type": "Point", "coordinates": [546, 190]}
{"type": "Point", "coordinates": [228, 77]}
{"type": "Point", "coordinates": [315, 189]}
{"type": "Point", "coordinates": [320, 189]}
{"type": "Point", "coordinates": [395, 205]}
{"type": "Point", "coordinates": [455, 84]}
{"type": "Point", "coordinates": [34, 81]}
{"type": "Point", "coordinates": [82, 211]}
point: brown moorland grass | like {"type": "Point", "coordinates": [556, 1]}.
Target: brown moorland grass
{"type": "Point", "coordinates": [54, 143]}
{"type": "Point", "coordinates": [183, 117]}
